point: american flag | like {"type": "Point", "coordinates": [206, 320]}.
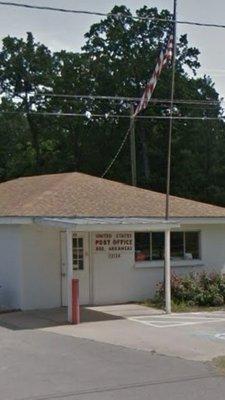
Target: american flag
{"type": "Point", "coordinates": [165, 56]}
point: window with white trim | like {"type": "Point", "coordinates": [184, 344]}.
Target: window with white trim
{"type": "Point", "coordinates": [78, 253]}
{"type": "Point", "coordinates": [149, 246]}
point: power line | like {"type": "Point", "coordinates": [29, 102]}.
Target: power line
{"type": "Point", "coordinates": [113, 116]}
{"type": "Point", "coordinates": [107, 116]}
{"type": "Point", "coordinates": [47, 8]}
{"type": "Point", "coordinates": [117, 153]}
{"type": "Point", "coordinates": [73, 11]}
{"type": "Point", "coordinates": [117, 16]}
{"type": "Point", "coordinates": [203, 24]}
{"type": "Point", "coordinates": [90, 97]}
{"type": "Point", "coordinates": [129, 99]}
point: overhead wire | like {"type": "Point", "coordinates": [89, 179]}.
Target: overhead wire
{"type": "Point", "coordinates": [115, 15]}
{"type": "Point", "coordinates": [118, 152]}
{"type": "Point", "coordinates": [116, 116]}
{"type": "Point", "coordinates": [118, 16]}
{"type": "Point", "coordinates": [73, 11]}
{"type": "Point", "coordinates": [129, 99]}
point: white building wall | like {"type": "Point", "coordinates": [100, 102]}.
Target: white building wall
{"type": "Point", "coordinates": [41, 267]}
{"type": "Point", "coordinates": [121, 280]}
{"type": "Point", "coordinates": [213, 247]}
{"type": "Point", "coordinates": [10, 266]}
{"type": "Point", "coordinates": [30, 267]}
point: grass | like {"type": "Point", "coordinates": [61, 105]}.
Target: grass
{"type": "Point", "coordinates": [219, 363]}
{"type": "Point", "coordinates": [181, 307]}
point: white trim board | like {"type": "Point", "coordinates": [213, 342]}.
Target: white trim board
{"type": "Point", "coordinates": [111, 223]}
{"type": "Point", "coordinates": [108, 224]}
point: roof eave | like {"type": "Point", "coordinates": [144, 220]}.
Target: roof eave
{"type": "Point", "coordinates": [16, 220]}
{"type": "Point", "coordinates": [108, 224]}
{"type": "Point", "coordinates": [111, 222]}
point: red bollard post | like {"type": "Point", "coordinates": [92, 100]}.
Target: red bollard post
{"type": "Point", "coordinates": [75, 302]}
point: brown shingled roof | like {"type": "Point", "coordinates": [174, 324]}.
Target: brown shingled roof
{"type": "Point", "coordinates": [75, 194]}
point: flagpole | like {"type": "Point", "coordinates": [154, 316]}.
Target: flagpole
{"type": "Point", "coordinates": [171, 112]}
{"type": "Point", "coordinates": [167, 266]}
{"type": "Point", "coordinates": [133, 147]}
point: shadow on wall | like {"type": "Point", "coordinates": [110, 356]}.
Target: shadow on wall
{"type": "Point", "coordinates": [37, 319]}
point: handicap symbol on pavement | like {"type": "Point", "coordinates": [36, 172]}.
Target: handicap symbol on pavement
{"type": "Point", "coordinates": [220, 336]}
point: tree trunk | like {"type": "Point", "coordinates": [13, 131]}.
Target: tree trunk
{"type": "Point", "coordinates": [144, 154]}
{"type": "Point", "coordinates": [34, 133]}
{"type": "Point", "coordinates": [35, 141]}
{"type": "Point", "coordinates": [75, 145]}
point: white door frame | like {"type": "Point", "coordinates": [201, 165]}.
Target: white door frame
{"type": "Point", "coordinates": [91, 270]}
{"type": "Point", "coordinates": [67, 261]}
{"type": "Point", "coordinates": [69, 253]}
{"type": "Point", "coordinates": [83, 274]}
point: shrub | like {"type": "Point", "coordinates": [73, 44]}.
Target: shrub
{"type": "Point", "coordinates": [195, 289]}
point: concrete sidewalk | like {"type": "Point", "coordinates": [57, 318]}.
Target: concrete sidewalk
{"type": "Point", "coordinates": [197, 336]}
{"type": "Point", "coordinates": [127, 310]}
{"type": "Point", "coordinates": [37, 319]}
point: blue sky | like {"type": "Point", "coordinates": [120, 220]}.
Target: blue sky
{"type": "Point", "coordinates": [60, 31]}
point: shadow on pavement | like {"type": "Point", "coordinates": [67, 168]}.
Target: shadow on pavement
{"type": "Point", "coordinates": [38, 319]}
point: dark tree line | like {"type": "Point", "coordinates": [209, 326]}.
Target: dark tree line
{"type": "Point", "coordinates": [117, 59]}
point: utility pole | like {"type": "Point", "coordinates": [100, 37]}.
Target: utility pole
{"type": "Point", "coordinates": [171, 110]}
{"type": "Point", "coordinates": [167, 267]}
{"type": "Point", "coordinates": [133, 147]}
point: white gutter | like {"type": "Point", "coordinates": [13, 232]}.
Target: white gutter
{"type": "Point", "coordinates": [16, 220]}
{"type": "Point", "coordinates": [142, 221]}
{"type": "Point", "coordinates": [200, 220]}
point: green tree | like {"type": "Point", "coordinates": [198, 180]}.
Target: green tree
{"type": "Point", "coordinates": [117, 59]}
{"type": "Point", "coordinates": [122, 55]}
{"type": "Point", "coordinates": [16, 151]}
{"type": "Point", "coordinates": [26, 67]}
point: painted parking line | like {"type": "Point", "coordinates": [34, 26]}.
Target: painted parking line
{"type": "Point", "coordinates": [182, 316]}
{"type": "Point", "coordinates": [220, 336]}
{"type": "Point", "coordinates": [167, 321]}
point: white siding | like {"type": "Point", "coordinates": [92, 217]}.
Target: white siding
{"type": "Point", "coordinates": [10, 266]}
{"type": "Point", "coordinates": [120, 280]}
{"type": "Point", "coordinates": [30, 271]}
{"type": "Point", "coordinates": [213, 247]}
{"type": "Point", "coordinates": [117, 280]}
{"type": "Point", "coordinates": [41, 268]}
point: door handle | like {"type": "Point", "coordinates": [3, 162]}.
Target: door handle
{"type": "Point", "coordinates": [63, 274]}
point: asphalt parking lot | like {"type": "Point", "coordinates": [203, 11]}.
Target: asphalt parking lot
{"type": "Point", "coordinates": [40, 365]}
{"type": "Point", "coordinates": [125, 352]}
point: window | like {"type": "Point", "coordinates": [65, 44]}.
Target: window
{"type": "Point", "coordinates": [150, 246]}
{"type": "Point", "coordinates": [192, 245]}
{"type": "Point", "coordinates": [177, 245]}
{"type": "Point", "coordinates": [142, 247]}
{"type": "Point", "coordinates": [78, 253]}
{"type": "Point", "coordinates": [157, 245]}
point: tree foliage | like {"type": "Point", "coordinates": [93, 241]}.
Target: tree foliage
{"type": "Point", "coordinates": [117, 59]}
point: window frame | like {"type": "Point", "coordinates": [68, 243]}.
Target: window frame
{"type": "Point", "coordinates": [176, 262]}
{"type": "Point", "coordinates": [151, 247]}
{"type": "Point", "coordinates": [78, 249]}
{"type": "Point", "coordinates": [199, 242]}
